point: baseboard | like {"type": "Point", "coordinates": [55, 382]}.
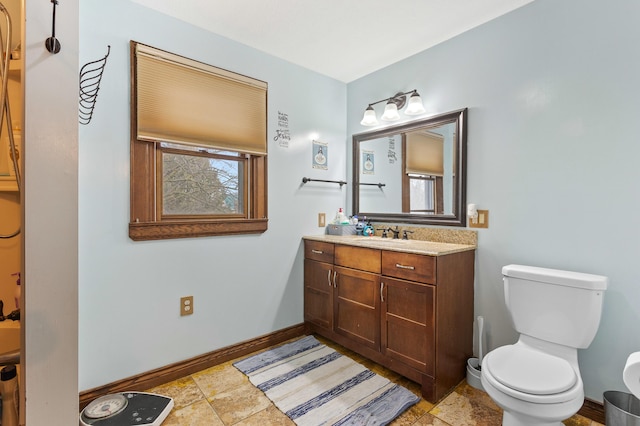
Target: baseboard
{"type": "Point", "coordinates": [159, 376]}
{"type": "Point", "coordinates": [592, 410]}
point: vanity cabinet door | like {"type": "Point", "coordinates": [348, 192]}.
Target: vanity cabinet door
{"type": "Point", "coordinates": [356, 299]}
{"type": "Point", "coordinates": [318, 293]}
{"type": "Point", "coordinates": [408, 323]}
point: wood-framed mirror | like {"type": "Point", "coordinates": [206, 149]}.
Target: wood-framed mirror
{"type": "Point", "coordinates": [414, 172]}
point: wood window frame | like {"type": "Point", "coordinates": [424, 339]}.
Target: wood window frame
{"type": "Point", "coordinates": [145, 223]}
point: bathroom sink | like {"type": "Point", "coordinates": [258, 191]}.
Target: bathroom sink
{"type": "Point", "coordinates": [380, 239]}
{"type": "Point", "coordinates": [390, 243]}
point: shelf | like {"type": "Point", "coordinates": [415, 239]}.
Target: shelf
{"type": "Point", "coordinates": [15, 70]}
{"type": "Point", "coordinates": [8, 184]}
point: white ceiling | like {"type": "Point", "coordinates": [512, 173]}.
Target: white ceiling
{"type": "Point", "coordinates": [344, 39]}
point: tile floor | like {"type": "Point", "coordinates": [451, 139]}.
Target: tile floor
{"type": "Point", "coordinates": [222, 396]}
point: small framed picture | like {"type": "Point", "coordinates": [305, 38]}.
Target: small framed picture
{"type": "Point", "coordinates": [368, 163]}
{"type": "Point", "coordinates": [320, 153]}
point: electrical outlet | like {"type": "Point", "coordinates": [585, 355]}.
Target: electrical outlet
{"type": "Point", "coordinates": [186, 305]}
{"type": "Point", "coordinates": [321, 220]}
{"type": "Point", "coordinates": [482, 221]}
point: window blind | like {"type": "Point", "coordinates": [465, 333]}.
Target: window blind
{"type": "Point", "coordinates": [184, 101]}
{"type": "Point", "coordinates": [425, 154]}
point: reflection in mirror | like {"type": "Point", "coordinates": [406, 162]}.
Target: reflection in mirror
{"type": "Point", "coordinates": [413, 172]}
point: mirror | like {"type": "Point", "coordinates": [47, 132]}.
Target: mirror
{"type": "Point", "coordinates": [414, 172]}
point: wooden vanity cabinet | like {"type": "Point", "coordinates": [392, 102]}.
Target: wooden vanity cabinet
{"type": "Point", "coordinates": [411, 313]}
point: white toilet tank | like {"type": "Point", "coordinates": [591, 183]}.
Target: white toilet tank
{"type": "Point", "coordinates": [556, 306]}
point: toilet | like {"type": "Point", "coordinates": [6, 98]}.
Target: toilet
{"type": "Point", "coordinates": [536, 381]}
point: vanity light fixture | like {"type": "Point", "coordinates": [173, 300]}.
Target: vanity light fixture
{"type": "Point", "coordinates": [394, 104]}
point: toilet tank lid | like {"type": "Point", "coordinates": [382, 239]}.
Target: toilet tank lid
{"type": "Point", "coordinates": [556, 276]}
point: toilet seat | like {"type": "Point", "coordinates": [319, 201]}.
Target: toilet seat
{"type": "Point", "coordinates": [530, 371]}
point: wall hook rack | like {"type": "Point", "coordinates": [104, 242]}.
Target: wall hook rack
{"type": "Point", "coordinates": [339, 182]}
{"type": "Point", "coordinates": [52, 44]}
{"type": "Point", "coordinates": [90, 76]}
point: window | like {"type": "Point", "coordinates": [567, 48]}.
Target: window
{"type": "Point", "coordinates": [423, 194]}
{"type": "Point", "coordinates": [201, 182]}
{"type": "Point", "coordinates": [423, 170]}
{"type": "Point", "coordinates": [198, 149]}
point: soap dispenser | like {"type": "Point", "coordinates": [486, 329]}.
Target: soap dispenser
{"type": "Point", "coordinates": [336, 219]}
{"type": "Point", "coordinates": [340, 218]}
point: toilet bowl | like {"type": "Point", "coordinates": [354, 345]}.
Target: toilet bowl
{"type": "Point", "coordinates": [537, 381]}
{"type": "Point", "coordinates": [531, 386]}
{"type": "Point", "coordinates": [631, 374]}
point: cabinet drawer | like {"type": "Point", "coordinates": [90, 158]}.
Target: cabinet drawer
{"type": "Point", "coordinates": [317, 250]}
{"type": "Point", "coordinates": [414, 267]}
{"type": "Point", "coordinates": [364, 259]}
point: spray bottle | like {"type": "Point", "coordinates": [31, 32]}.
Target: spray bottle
{"type": "Point", "coordinates": [18, 291]}
{"type": "Point", "coordinates": [9, 391]}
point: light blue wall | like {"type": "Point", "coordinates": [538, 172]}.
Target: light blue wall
{"type": "Point", "coordinates": [243, 286]}
{"type": "Point", "coordinates": [553, 96]}
{"type": "Point", "coordinates": [552, 92]}
{"type": "Point", "coordinates": [387, 172]}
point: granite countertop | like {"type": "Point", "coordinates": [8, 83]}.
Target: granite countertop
{"type": "Point", "coordinates": [429, 248]}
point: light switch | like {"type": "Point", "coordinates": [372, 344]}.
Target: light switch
{"type": "Point", "coordinates": [483, 220]}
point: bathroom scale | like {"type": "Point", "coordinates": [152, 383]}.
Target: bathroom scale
{"type": "Point", "coordinates": [127, 409]}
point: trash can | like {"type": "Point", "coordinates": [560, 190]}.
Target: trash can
{"type": "Point", "coordinates": [621, 409]}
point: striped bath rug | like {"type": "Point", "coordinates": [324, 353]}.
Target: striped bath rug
{"type": "Point", "coordinates": [315, 385]}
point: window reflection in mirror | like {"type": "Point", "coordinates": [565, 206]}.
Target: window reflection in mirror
{"type": "Point", "coordinates": [413, 172]}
